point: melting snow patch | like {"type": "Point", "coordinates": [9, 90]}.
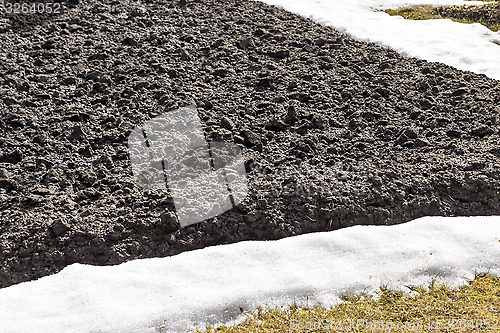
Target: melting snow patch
{"type": "Point", "coordinates": [209, 286]}
{"type": "Point", "coordinates": [464, 46]}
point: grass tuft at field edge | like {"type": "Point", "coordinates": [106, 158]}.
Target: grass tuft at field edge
{"type": "Point", "coordinates": [438, 308]}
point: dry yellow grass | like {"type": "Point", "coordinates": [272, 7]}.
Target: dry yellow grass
{"type": "Point", "coordinates": [436, 308]}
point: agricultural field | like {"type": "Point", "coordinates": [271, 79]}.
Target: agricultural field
{"type": "Point", "coordinates": [346, 115]}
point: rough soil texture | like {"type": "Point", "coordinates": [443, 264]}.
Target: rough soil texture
{"type": "Point", "coordinates": [335, 132]}
{"type": "Point", "coordinates": [487, 14]}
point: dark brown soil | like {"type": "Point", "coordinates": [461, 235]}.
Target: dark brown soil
{"type": "Point", "coordinates": [487, 14]}
{"type": "Point", "coordinates": [335, 132]}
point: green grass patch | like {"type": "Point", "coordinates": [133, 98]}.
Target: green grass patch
{"type": "Point", "coordinates": [435, 308]}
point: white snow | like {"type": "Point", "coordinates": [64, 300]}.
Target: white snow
{"type": "Point", "coordinates": [464, 46]}
{"type": "Point", "coordinates": [208, 286]}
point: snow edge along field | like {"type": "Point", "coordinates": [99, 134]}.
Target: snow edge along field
{"type": "Point", "coordinates": [208, 286]}
{"type": "Point", "coordinates": [466, 47]}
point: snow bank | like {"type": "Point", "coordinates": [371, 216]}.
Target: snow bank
{"type": "Point", "coordinates": [464, 46]}
{"type": "Point", "coordinates": [210, 285]}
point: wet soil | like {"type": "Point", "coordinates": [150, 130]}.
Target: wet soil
{"type": "Point", "coordinates": [487, 14]}
{"type": "Point", "coordinates": [335, 132]}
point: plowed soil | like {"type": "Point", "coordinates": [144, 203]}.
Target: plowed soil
{"type": "Point", "coordinates": [487, 14]}
{"type": "Point", "coordinates": [335, 132]}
